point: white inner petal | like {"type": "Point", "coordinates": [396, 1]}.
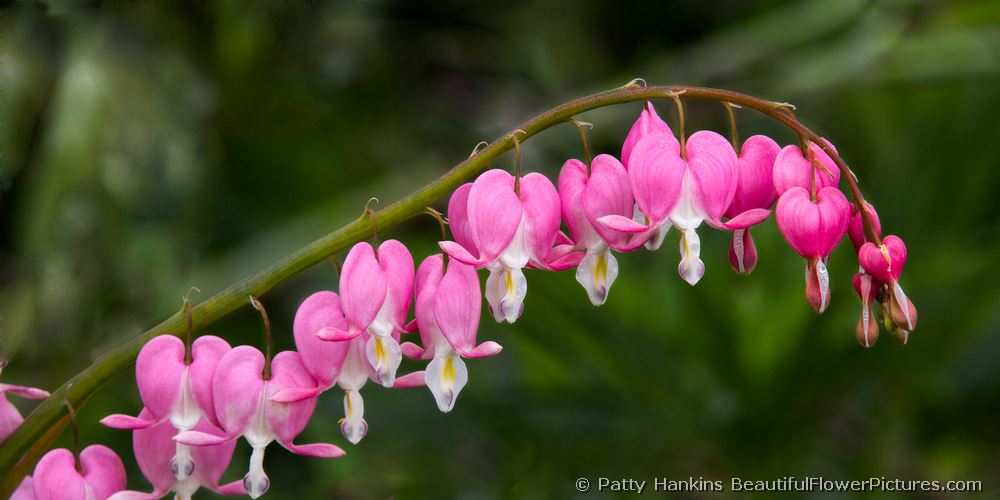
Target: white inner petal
{"type": "Point", "coordinates": [823, 278]}
{"type": "Point", "coordinates": [445, 376]}
{"type": "Point", "coordinates": [597, 272]}
{"type": "Point", "coordinates": [738, 248]}
{"type": "Point", "coordinates": [353, 425]}
{"type": "Point", "coordinates": [691, 268]}
{"type": "Point", "coordinates": [184, 418]}
{"type": "Point", "coordinates": [385, 356]}
{"type": "Point", "coordinates": [256, 481]}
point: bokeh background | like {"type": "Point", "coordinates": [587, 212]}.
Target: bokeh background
{"type": "Point", "coordinates": [149, 147]}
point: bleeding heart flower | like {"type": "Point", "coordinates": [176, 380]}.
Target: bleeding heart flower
{"type": "Point", "coordinates": [344, 362]}
{"type": "Point", "coordinates": [754, 190]}
{"type": "Point", "coordinates": [506, 231]}
{"type": "Point", "coordinates": [244, 407]}
{"type": "Point", "coordinates": [447, 311]}
{"type": "Point", "coordinates": [154, 446]}
{"type": "Point", "coordinates": [587, 195]}
{"type": "Point", "coordinates": [99, 474]}
{"type": "Point", "coordinates": [648, 123]}
{"type": "Point", "coordinates": [173, 390]}
{"type": "Point", "coordinates": [792, 169]}
{"type": "Point", "coordinates": [10, 418]}
{"type": "Point", "coordinates": [683, 191]}
{"type": "Point", "coordinates": [885, 263]}
{"type": "Point", "coordinates": [813, 229]}
{"type": "Point", "coordinates": [856, 229]}
{"type": "Point", "coordinates": [375, 296]}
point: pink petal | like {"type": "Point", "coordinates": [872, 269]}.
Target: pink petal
{"type": "Point", "coordinates": [558, 260]}
{"type": "Point", "coordinates": [572, 184]}
{"type": "Point", "coordinates": [458, 252]}
{"type": "Point", "coordinates": [648, 123]}
{"type": "Point", "coordinates": [158, 372]}
{"type": "Point", "coordinates": [856, 229]}
{"type": "Point", "coordinates": [494, 213]}
{"type": "Point", "coordinates": [874, 261]}
{"type": "Point", "coordinates": [458, 218]}
{"type": "Point", "coordinates": [749, 218]}
{"type": "Point", "coordinates": [206, 352]}
{"type": "Point", "coordinates": [25, 490]}
{"type": "Point", "coordinates": [126, 422]}
{"type": "Point", "coordinates": [292, 395]}
{"type": "Point", "coordinates": [154, 449]}
{"type": "Point", "coordinates": [329, 334]}
{"type": "Point", "coordinates": [562, 239]}
{"type": "Point", "coordinates": [622, 224]}
{"type": "Point", "coordinates": [103, 470]}
{"type": "Point", "coordinates": [540, 201]}
{"type": "Point", "coordinates": [398, 265]}
{"type": "Point", "coordinates": [792, 169]}
{"type": "Point", "coordinates": [237, 387]}
{"type": "Point", "coordinates": [323, 359]}
{"type": "Point", "coordinates": [457, 305]}
{"type": "Point", "coordinates": [712, 163]}
{"type": "Point", "coordinates": [135, 495]}
{"type": "Point", "coordinates": [656, 172]}
{"type": "Point", "coordinates": [199, 438]}
{"type": "Point", "coordinates": [24, 392]}
{"type": "Point", "coordinates": [412, 351]}
{"type": "Point", "coordinates": [415, 379]}
{"type": "Point", "coordinates": [431, 272]}
{"type": "Point", "coordinates": [233, 488]}
{"type": "Point", "coordinates": [286, 421]}
{"type": "Point", "coordinates": [608, 192]}
{"type": "Point", "coordinates": [363, 287]}
{"type": "Point", "coordinates": [56, 478]}
{"type": "Point", "coordinates": [318, 450]}
{"type": "Point", "coordinates": [10, 418]}
{"type": "Point", "coordinates": [484, 350]}
{"type": "Point", "coordinates": [754, 185]}
{"type": "Point", "coordinates": [812, 229]}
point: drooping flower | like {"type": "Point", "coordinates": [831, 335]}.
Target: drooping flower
{"type": "Point", "coordinates": [10, 418]}
{"type": "Point", "coordinates": [792, 169]}
{"type": "Point", "coordinates": [58, 476]}
{"type": "Point", "coordinates": [684, 189]}
{"type": "Point", "coordinates": [244, 407]}
{"type": "Point", "coordinates": [173, 390]}
{"type": "Point", "coordinates": [504, 229]}
{"type": "Point", "coordinates": [447, 309]}
{"type": "Point", "coordinates": [647, 123]}
{"type": "Point", "coordinates": [586, 195]}
{"type": "Point", "coordinates": [344, 363]}
{"type": "Point", "coordinates": [885, 262]}
{"type": "Point", "coordinates": [154, 447]}
{"type": "Point", "coordinates": [813, 229]}
{"type": "Point", "coordinates": [375, 294]}
{"type": "Point", "coordinates": [754, 190]}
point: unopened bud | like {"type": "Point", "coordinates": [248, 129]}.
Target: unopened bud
{"type": "Point", "coordinates": [904, 316]}
{"type": "Point", "coordinates": [867, 328]}
{"type": "Point", "coordinates": [742, 252]}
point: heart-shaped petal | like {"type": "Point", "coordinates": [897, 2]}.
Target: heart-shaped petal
{"type": "Point", "coordinates": [363, 287]}
{"type": "Point", "coordinates": [885, 263]}
{"type": "Point", "coordinates": [429, 277]}
{"type": "Point", "coordinates": [856, 229]}
{"type": "Point", "coordinates": [237, 388]}
{"type": "Point", "coordinates": [159, 369]}
{"type": "Point", "coordinates": [323, 359]}
{"type": "Point", "coordinates": [56, 477]}
{"type": "Point", "coordinates": [608, 192]}
{"type": "Point", "coordinates": [792, 169]}
{"type": "Point", "coordinates": [494, 213]}
{"type": "Point", "coordinates": [572, 183]}
{"type": "Point", "coordinates": [457, 306]}
{"type": "Point", "coordinates": [397, 262]}
{"type": "Point", "coordinates": [206, 352]}
{"type": "Point", "coordinates": [540, 202]}
{"type": "Point", "coordinates": [813, 229]}
{"type": "Point", "coordinates": [754, 184]}
{"type": "Point", "coordinates": [458, 218]}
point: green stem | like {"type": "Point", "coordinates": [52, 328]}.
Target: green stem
{"type": "Point", "coordinates": [25, 446]}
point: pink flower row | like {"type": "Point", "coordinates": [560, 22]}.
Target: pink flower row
{"type": "Point", "coordinates": [197, 403]}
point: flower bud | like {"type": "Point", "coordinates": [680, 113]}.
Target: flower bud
{"type": "Point", "coordinates": [867, 328]}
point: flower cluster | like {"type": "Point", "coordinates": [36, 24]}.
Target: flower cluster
{"type": "Point", "coordinates": [199, 397]}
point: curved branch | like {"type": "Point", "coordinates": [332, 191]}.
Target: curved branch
{"type": "Point", "coordinates": [25, 446]}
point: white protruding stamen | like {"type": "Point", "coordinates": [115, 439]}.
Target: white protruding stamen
{"type": "Point", "coordinates": [738, 248]}
{"type": "Point", "coordinates": [353, 425]}
{"type": "Point", "coordinates": [256, 481]}
{"type": "Point", "coordinates": [823, 279]}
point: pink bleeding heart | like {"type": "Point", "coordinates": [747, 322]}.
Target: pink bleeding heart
{"type": "Point", "coordinates": [885, 263]}
{"type": "Point", "coordinates": [240, 390]}
{"type": "Point", "coordinates": [154, 447]}
{"type": "Point", "coordinates": [585, 199]}
{"type": "Point", "coordinates": [792, 169]}
{"type": "Point", "coordinates": [56, 478]}
{"type": "Point", "coordinates": [811, 228]}
{"type": "Point", "coordinates": [318, 314]}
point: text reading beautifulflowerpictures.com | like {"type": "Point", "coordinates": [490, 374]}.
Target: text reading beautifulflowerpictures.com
{"type": "Point", "coordinates": [784, 484]}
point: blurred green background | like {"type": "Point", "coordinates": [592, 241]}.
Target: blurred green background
{"type": "Point", "coordinates": [149, 147]}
